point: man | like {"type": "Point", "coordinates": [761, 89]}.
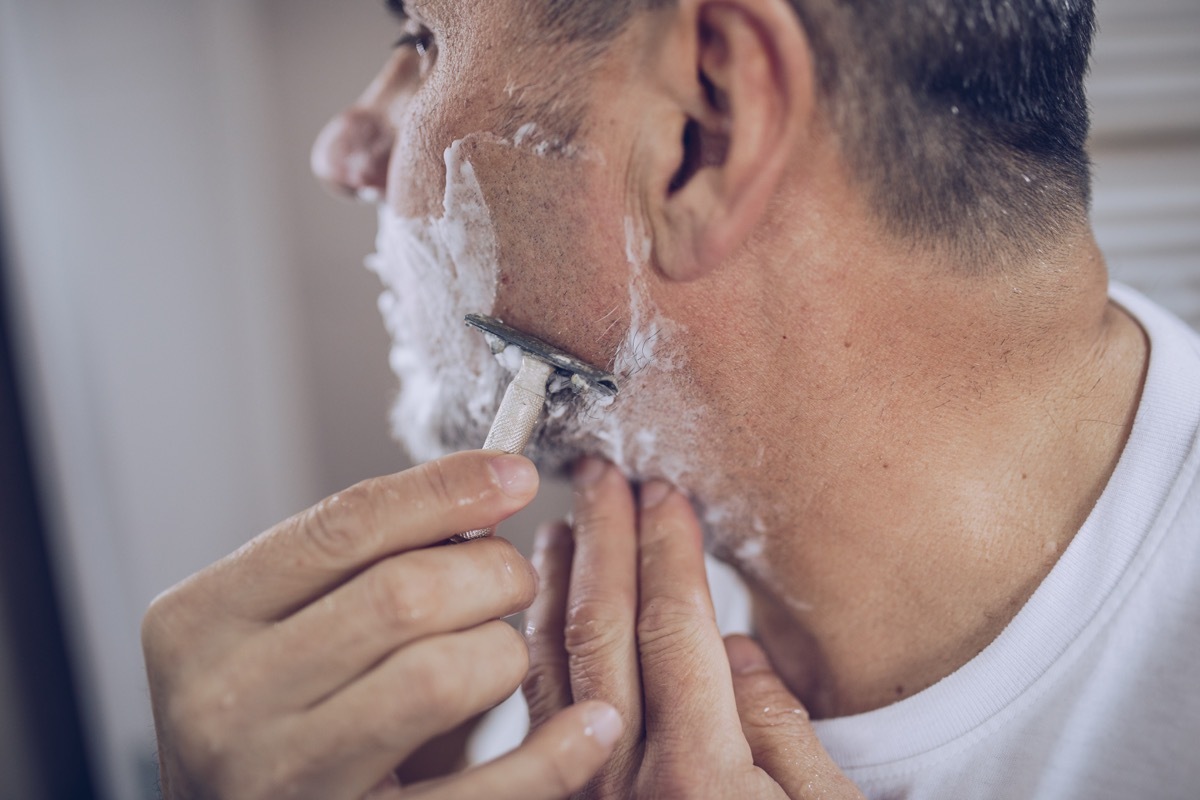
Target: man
{"type": "Point", "coordinates": [838, 255]}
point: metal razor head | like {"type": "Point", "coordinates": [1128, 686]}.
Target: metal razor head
{"type": "Point", "coordinates": [565, 364]}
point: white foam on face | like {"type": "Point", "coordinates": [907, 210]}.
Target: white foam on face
{"type": "Point", "coordinates": [651, 429]}
{"type": "Point", "coordinates": [436, 271]}
{"type": "Point", "coordinates": [531, 138]}
{"type": "Point", "coordinates": [525, 133]}
{"type": "Point", "coordinates": [510, 358]}
{"type": "Point", "coordinates": [750, 550]}
{"type": "Point", "coordinates": [752, 558]}
{"type": "Point", "coordinates": [439, 269]}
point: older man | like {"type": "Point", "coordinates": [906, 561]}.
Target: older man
{"type": "Point", "coordinates": [838, 254]}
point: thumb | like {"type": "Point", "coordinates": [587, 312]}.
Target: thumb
{"type": "Point", "coordinates": [777, 728]}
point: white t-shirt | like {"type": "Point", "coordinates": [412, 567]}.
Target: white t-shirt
{"type": "Point", "coordinates": [1093, 689]}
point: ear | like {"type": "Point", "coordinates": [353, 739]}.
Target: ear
{"type": "Point", "coordinates": [739, 76]}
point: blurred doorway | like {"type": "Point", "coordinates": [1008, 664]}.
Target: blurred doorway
{"type": "Point", "coordinates": [42, 755]}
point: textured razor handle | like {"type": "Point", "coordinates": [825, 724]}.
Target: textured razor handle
{"type": "Point", "coordinates": [519, 413]}
{"type": "Point", "coordinates": [520, 409]}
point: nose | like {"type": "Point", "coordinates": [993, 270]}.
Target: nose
{"type": "Point", "coordinates": [352, 152]}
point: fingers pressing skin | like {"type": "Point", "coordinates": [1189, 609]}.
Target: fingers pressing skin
{"type": "Point", "coordinates": [685, 672]}
{"type": "Point", "coordinates": [370, 521]}
{"type": "Point", "coordinates": [599, 635]}
{"type": "Point", "coordinates": [547, 687]}
{"type": "Point", "coordinates": [393, 603]}
{"type": "Point", "coordinates": [778, 730]}
{"type": "Point", "coordinates": [556, 760]}
{"type": "Point", "coordinates": [700, 718]}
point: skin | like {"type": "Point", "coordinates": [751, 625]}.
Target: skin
{"type": "Point", "coordinates": [927, 435]}
{"type": "Point", "coordinates": [624, 613]}
{"type": "Point", "coordinates": [312, 661]}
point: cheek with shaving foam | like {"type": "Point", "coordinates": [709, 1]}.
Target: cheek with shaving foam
{"type": "Point", "coordinates": [438, 270]}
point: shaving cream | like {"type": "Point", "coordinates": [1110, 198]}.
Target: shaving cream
{"type": "Point", "coordinates": [439, 269]}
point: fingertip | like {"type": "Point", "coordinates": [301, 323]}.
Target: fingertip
{"type": "Point", "coordinates": [588, 472]}
{"type": "Point", "coordinates": [653, 494]}
{"type": "Point", "coordinates": [603, 723]}
{"type": "Point", "coordinates": [663, 506]}
{"type": "Point", "coordinates": [515, 475]}
{"type": "Point", "coordinates": [745, 656]}
{"type": "Point", "coordinates": [670, 541]}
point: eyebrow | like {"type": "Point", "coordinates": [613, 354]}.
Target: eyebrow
{"type": "Point", "coordinates": [396, 8]}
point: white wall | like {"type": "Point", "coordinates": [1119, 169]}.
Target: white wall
{"type": "Point", "coordinates": [1145, 93]}
{"type": "Point", "coordinates": [318, 57]}
{"type": "Point", "coordinates": [200, 337]}
{"type": "Point", "coordinates": [160, 332]}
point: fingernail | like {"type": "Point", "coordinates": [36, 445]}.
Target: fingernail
{"type": "Point", "coordinates": [516, 476]}
{"type": "Point", "coordinates": [589, 471]}
{"type": "Point", "coordinates": [746, 657]}
{"type": "Point", "coordinates": [603, 724]}
{"type": "Point", "coordinates": [653, 493]}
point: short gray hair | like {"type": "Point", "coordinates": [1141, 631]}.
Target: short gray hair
{"type": "Point", "coordinates": [965, 120]}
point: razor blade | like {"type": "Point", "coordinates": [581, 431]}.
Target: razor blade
{"type": "Point", "coordinates": [563, 363]}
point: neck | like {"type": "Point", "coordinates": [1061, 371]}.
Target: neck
{"type": "Point", "coordinates": [930, 442]}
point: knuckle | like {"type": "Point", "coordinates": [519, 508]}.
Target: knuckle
{"type": "Point", "coordinates": [592, 630]}
{"type": "Point", "coordinates": [514, 573]}
{"type": "Point", "coordinates": [542, 692]}
{"type": "Point", "coordinates": [216, 746]}
{"type": "Point", "coordinates": [399, 598]}
{"type": "Point", "coordinates": [763, 705]}
{"type": "Point", "coordinates": [200, 732]}
{"type": "Point", "coordinates": [433, 692]}
{"type": "Point", "coordinates": [157, 626]}
{"type": "Point", "coordinates": [436, 484]}
{"type": "Point", "coordinates": [501, 671]}
{"type": "Point", "coordinates": [168, 632]}
{"type": "Point", "coordinates": [512, 655]}
{"type": "Point", "coordinates": [460, 683]}
{"type": "Point", "coordinates": [667, 624]}
{"type": "Point", "coordinates": [594, 519]}
{"type": "Point", "coordinates": [334, 527]}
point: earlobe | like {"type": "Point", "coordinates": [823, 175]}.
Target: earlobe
{"type": "Point", "coordinates": [744, 102]}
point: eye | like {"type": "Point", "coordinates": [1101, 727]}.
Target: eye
{"type": "Point", "coordinates": [421, 41]}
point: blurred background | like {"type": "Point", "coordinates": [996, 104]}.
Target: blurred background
{"type": "Point", "coordinates": [189, 346]}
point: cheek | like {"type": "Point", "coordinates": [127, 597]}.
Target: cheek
{"type": "Point", "coordinates": [427, 123]}
{"type": "Point", "coordinates": [563, 274]}
{"type": "Point", "coordinates": [456, 102]}
{"type": "Point", "coordinates": [416, 172]}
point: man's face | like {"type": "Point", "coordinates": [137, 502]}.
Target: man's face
{"type": "Point", "coordinates": [507, 170]}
